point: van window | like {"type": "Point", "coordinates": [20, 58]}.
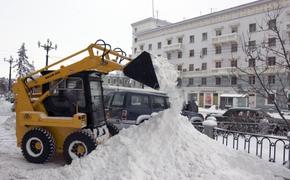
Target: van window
{"type": "Point", "coordinates": [158, 102]}
{"type": "Point", "coordinates": [118, 99]}
{"type": "Point", "coordinates": [139, 100]}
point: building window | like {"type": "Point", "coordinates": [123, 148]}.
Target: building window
{"type": "Point", "coordinates": [252, 79]}
{"type": "Point", "coordinates": [252, 27]}
{"type": "Point", "coordinates": [204, 52]}
{"type": "Point", "coordinates": [252, 62]}
{"type": "Point", "coordinates": [203, 81]}
{"type": "Point", "coordinates": [109, 81]}
{"type": "Point", "coordinates": [270, 99]}
{"type": "Point", "coordinates": [159, 45]}
{"type": "Point", "coordinates": [218, 49]}
{"type": "Point", "coordinates": [191, 53]}
{"type": "Point", "coordinates": [234, 63]}
{"type": "Point", "coordinates": [191, 39]}
{"type": "Point", "coordinates": [271, 42]}
{"type": "Point", "coordinates": [233, 80]}
{"type": "Point", "coordinates": [234, 29]}
{"type": "Point", "coordinates": [218, 81]}
{"type": "Point", "coordinates": [271, 61]}
{"type": "Point", "coordinates": [141, 47]}
{"type": "Point", "coordinates": [168, 55]}
{"type": "Point", "coordinates": [191, 67]}
{"type": "Point", "coordinates": [272, 24]}
{"type": "Point", "coordinates": [169, 41]}
{"type": "Point", "coordinates": [218, 64]}
{"type": "Point", "coordinates": [135, 50]}
{"type": "Point", "coordinates": [179, 54]}
{"type": "Point", "coordinates": [252, 45]}
{"type": "Point", "coordinates": [218, 32]}
{"type": "Point", "coordinates": [271, 79]}
{"type": "Point", "coordinates": [149, 47]}
{"type": "Point", "coordinates": [190, 81]}
{"type": "Point", "coordinates": [234, 47]}
{"type": "Point", "coordinates": [203, 66]}
{"type": "Point", "coordinates": [179, 67]}
{"type": "Point", "coordinates": [180, 40]}
{"type": "Point", "coordinates": [204, 36]}
{"type": "Point", "coordinates": [135, 40]}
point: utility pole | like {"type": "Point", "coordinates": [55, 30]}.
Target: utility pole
{"type": "Point", "coordinates": [10, 61]}
{"type": "Point", "coordinates": [47, 47]}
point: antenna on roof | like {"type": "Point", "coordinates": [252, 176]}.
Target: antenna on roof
{"type": "Point", "coordinates": [156, 14]}
{"type": "Point", "coordinates": [153, 8]}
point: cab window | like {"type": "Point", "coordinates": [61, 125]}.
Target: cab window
{"type": "Point", "coordinates": [118, 99]}
{"type": "Point", "coordinates": [158, 102]}
{"type": "Point", "coordinates": [139, 101]}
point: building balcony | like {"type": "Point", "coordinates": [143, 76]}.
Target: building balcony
{"type": "Point", "coordinates": [226, 38]}
{"type": "Point", "coordinates": [173, 47]}
{"type": "Point", "coordinates": [230, 71]}
{"type": "Point", "coordinates": [227, 71]}
{"type": "Point", "coordinates": [223, 71]}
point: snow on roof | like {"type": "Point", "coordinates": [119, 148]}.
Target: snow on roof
{"type": "Point", "coordinates": [120, 88]}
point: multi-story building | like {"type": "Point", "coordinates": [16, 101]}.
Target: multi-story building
{"type": "Point", "coordinates": [208, 49]}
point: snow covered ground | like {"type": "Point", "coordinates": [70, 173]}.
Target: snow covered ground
{"type": "Point", "coordinates": [166, 147]}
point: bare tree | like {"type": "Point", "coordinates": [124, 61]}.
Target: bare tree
{"type": "Point", "coordinates": [268, 68]}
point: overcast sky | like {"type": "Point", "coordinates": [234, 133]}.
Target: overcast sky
{"type": "Point", "coordinates": [74, 24]}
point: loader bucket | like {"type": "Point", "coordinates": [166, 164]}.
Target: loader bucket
{"type": "Point", "coordinates": [141, 69]}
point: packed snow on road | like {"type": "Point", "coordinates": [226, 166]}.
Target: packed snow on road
{"type": "Point", "coordinates": [165, 147]}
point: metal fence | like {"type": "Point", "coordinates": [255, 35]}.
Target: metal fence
{"type": "Point", "coordinates": [272, 148]}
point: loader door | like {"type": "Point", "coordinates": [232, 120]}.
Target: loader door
{"type": "Point", "coordinates": [96, 106]}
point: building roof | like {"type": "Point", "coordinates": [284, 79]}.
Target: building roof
{"type": "Point", "coordinates": [225, 11]}
{"type": "Point", "coordinates": [149, 19]}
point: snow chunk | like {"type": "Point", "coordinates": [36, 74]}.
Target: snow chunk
{"type": "Point", "coordinates": [209, 122]}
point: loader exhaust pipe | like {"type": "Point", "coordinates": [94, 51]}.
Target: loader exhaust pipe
{"type": "Point", "coordinates": [141, 69]}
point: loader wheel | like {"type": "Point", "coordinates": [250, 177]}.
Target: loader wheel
{"type": "Point", "coordinates": [38, 145]}
{"type": "Point", "coordinates": [77, 145]}
{"type": "Point", "coordinates": [113, 130]}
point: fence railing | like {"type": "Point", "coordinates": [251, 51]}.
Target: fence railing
{"type": "Point", "coordinates": [272, 148]}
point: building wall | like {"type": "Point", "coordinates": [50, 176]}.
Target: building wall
{"type": "Point", "coordinates": [120, 80]}
{"type": "Point", "coordinates": [225, 21]}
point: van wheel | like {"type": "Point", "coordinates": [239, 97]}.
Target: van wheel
{"type": "Point", "coordinates": [77, 145]}
{"type": "Point", "coordinates": [113, 130]}
{"type": "Point", "coordinates": [38, 145]}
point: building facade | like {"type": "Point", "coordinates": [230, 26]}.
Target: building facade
{"type": "Point", "coordinates": [118, 79]}
{"type": "Point", "coordinates": [207, 50]}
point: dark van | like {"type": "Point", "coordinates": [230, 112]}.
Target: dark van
{"type": "Point", "coordinates": [125, 108]}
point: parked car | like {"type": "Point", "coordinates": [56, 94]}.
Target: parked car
{"type": "Point", "coordinates": [132, 107]}
{"type": "Point", "coordinates": [251, 120]}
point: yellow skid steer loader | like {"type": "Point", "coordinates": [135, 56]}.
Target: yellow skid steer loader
{"type": "Point", "coordinates": [61, 110]}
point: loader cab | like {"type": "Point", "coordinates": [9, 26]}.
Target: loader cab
{"type": "Point", "coordinates": [81, 92]}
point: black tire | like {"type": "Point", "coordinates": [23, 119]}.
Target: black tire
{"type": "Point", "coordinates": [77, 141]}
{"type": "Point", "coordinates": [38, 145]}
{"type": "Point", "coordinates": [113, 130]}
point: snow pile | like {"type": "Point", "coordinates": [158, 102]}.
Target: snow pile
{"type": "Point", "coordinates": [166, 147]}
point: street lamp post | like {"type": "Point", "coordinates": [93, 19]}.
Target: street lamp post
{"type": "Point", "coordinates": [47, 47]}
{"type": "Point", "coordinates": [10, 61]}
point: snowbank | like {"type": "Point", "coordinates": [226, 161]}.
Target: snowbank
{"type": "Point", "coordinates": [166, 147]}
